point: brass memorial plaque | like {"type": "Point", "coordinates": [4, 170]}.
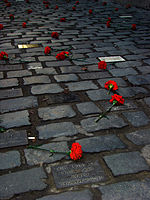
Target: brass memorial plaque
{"type": "Point", "coordinates": [77, 174]}
{"type": "Point", "coordinates": [25, 46]}
{"type": "Point", "coordinates": [112, 59]}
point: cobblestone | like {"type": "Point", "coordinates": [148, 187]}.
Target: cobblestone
{"type": "Point", "coordinates": [66, 78]}
{"type": "Point", "coordinates": [96, 95]}
{"type": "Point", "coordinates": [82, 85]}
{"type": "Point", "coordinates": [36, 79]}
{"type": "Point", "coordinates": [8, 83]}
{"type": "Point", "coordinates": [21, 73]}
{"type": "Point", "coordinates": [46, 88]}
{"type": "Point", "coordinates": [11, 93]}
{"type": "Point", "coordinates": [87, 108]}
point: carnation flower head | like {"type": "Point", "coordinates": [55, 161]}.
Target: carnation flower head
{"type": "Point", "coordinates": [102, 65]}
{"type": "Point", "coordinates": [76, 151]}
{"type": "Point", "coordinates": [54, 35]}
{"type": "Point", "coordinates": [1, 26]}
{"type": "Point", "coordinates": [3, 55]}
{"type": "Point", "coordinates": [117, 98]}
{"type": "Point", "coordinates": [47, 50]}
{"type": "Point", "coordinates": [111, 85]}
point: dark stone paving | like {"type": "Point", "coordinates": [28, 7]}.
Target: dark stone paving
{"type": "Point", "coordinates": [57, 102]}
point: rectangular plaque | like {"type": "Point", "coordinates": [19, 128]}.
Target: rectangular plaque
{"type": "Point", "coordinates": [24, 46]}
{"type": "Point", "coordinates": [112, 59]}
{"type": "Point", "coordinates": [125, 16]}
{"type": "Point", "coordinates": [77, 174]}
{"type": "Point", "coordinates": [13, 138]}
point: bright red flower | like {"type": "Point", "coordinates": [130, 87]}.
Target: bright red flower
{"type": "Point", "coordinates": [56, 7]}
{"type": "Point", "coordinates": [8, 4]}
{"type": "Point", "coordinates": [55, 35]}
{"type": "Point", "coordinates": [3, 55]}
{"type": "Point", "coordinates": [62, 55]}
{"type": "Point", "coordinates": [117, 98]}
{"type": "Point", "coordinates": [102, 65]}
{"type": "Point", "coordinates": [77, 2]}
{"type": "Point", "coordinates": [11, 16]}
{"type": "Point", "coordinates": [1, 26]}
{"type": "Point", "coordinates": [109, 19]}
{"type": "Point", "coordinates": [62, 19]}
{"type": "Point", "coordinates": [47, 50]}
{"type": "Point", "coordinates": [73, 8]}
{"type": "Point", "coordinates": [133, 26]}
{"type": "Point", "coordinates": [116, 9]}
{"type": "Point", "coordinates": [29, 11]}
{"type": "Point", "coordinates": [76, 151]}
{"type": "Point", "coordinates": [46, 6]}
{"type": "Point", "coordinates": [111, 85]}
{"type": "Point", "coordinates": [24, 24]}
{"type": "Point", "coordinates": [104, 3]}
{"type": "Point", "coordinates": [90, 11]}
{"type": "Point", "coordinates": [108, 24]}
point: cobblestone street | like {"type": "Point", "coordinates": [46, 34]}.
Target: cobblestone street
{"type": "Point", "coordinates": [58, 101]}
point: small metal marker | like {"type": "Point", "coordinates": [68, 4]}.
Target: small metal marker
{"type": "Point", "coordinates": [112, 59]}
{"type": "Point", "coordinates": [34, 67]}
{"type": "Point", "coordinates": [125, 16]}
{"type": "Point", "coordinates": [31, 138]}
{"type": "Point", "coordinates": [25, 46]}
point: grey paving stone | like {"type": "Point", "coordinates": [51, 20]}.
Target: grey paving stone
{"type": "Point", "coordinates": [75, 195]}
{"type": "Point", "coordinates": [96, 95]}
{"type": "Point", "coordinates": [119, 81]}
{"type": "Point", "coordinates": [94, 75]}
{"type": "Point", "coordinates": [141, 137]}
{"type": "Point", "coordinates": [9, 159]}
{"type": "Point", "coordinates": [144, 69]}
{"type": "Point", "coordinates": [113, 122]}
{"type": "Point", "coordinates": [131, 91]}
{"type": "Point", "coordinates": [14, 119]}
{"type": "Point", "coordinates": [147, 61]}
{"type": "Point", "coordinates": [8, 83]}
{"type": "Point", "coordinates": [46, 71]}
{"type": "Point", "coordinates": [1, 75]}
{"type": "Point", "coordinates": [146, 153]}
{"type": "Point", "coordinates": [18, 104]}
{"type": "Point", "coordinates": [128, 64]}
{"type": "Point", "coordinates": [22, 181]}
{"type": "Point", "coordinates": [137, 119]}
{"type": "Point", "coordinates": [132, 190]}
{"type": "Point", "coordinates": [11, 93]}
{"type": "Point", "coordinates": [147, 101]}
{"type": "Point", "coordinates": [56, 130]}
{"type": "Point", "coordinates": [123, 72]}
{"type": "Point", "coordinates": [139, 79]}
{"type": "Point", "coordinates": [46, 58]}
{"type": "Point", "coordinates": [46, 88]}
{"type": "Point", "coordinates": [101, 143]}
{"type": "Point", "coordinates": [82, 85]}
{"type": "Point", "coordinates": [72, 69]}
{"type": "Point", "coordinates": [10, 67]}
{"type": "Point", "coordinates": [36, 79]}
{"type": "Point", "coordinates": [56, 112]}
{"type": "Point", "coordinates": [21, 73]}
{"type": "Point", "coordinates": [87, 108]}
{"type": "Point", "coordinates": [87, 61]}
{"type": "Point", "coordinates": [126, 163]}
{"type": "Point", "coordinates": [35, 157]}
{"type": "Point", "coordinates": [66, 78]}
{"type": "Point", "coordinates": [58, 63]}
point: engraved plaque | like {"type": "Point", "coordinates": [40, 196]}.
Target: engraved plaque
{"type": "Point", "coordinates": [13, 138]}
{"type": "Point", "coordinates": [77, 174]}
{"type": "Point", "coordinates": [112, 59]}
{"type": "Point", "coordinates": [125, 16]}
{"type": "Point", "coordinates": [24, 46]}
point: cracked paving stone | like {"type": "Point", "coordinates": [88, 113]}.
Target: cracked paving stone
{"type": "Point", "coordinates": [126, 190]}
{"type": "Point", "coordinates": [56, 112]}
{"type": "Point", "coordinates": [46, 88]}
{"type": "Point", "coordinates": [113, 122]}
{"type": "Point", "coordinates": [35, 157]}
{"type": "Point", "coordinates": [126, 163]}
{"type": "Point", "coordinates": [137, 119]}
{"type": "Point", "coordinates": [22, 181]}
{"type": "Point", "coordinates": [101, 143]}
{"type": "Point", "coordinates": [56, 130]}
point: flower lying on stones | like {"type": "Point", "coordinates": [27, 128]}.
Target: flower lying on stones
{"type": "Point", "coordinates": [133, 26]}
{"type": "Point", "coordinates": [116, 9]}
{"type": "Point", "coordinates": [3, 55]}
{"type": "Point", "coordinates": [63, 19]}
{"type": "Point", "coordinates": [11, 16]}
{"type": "Point", "coordinates": [90, 11]}
{"type": "Point", "coordinates": [77, 2]}
{"type": "Point", "coordinates": [111, 85]}
{"type": "Point", "coordinates": [102, 65]}
{"type": "Point", "coordinates": [108, 24]}
{"type": "Point", "coordinates": [109, 19]}
{"type": "Point", "coordinates": [74, 8]}
{"type": "Point", "coordinates": [47, 50]}
{"type": "Point", "coordinates": [46, 6]}
{"type": "Point", "coordinates": [75, 153]}
{"type": "Point", "coordinates": [56, 7]}
{"type": "Point", "coordinates": [116, 100]}
{"type": "Point", "coordinates": [1, 26]}
{"type": "Point", "coordinates": [8, 4]}
{"type": "Point", "coordinates": [29, 11]}
{"type": "Point", "coordinates": [54, 35]}
{"type": "Point", "coordinates": [104, 3]}
{"type": "Point", "coordinates": [62, 55]}
{"type": "Point", "coordinates": [24, 24]}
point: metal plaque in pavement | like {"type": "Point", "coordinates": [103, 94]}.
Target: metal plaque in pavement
{"type": "Point", "coordinates": [78, 173]}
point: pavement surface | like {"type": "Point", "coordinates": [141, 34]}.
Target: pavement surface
{"type": "Point", "coordinates": [57, 102]}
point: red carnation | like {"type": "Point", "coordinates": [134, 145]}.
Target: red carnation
{"type": "Point", "coordinates": [56, 7]}
{"type": "Point", "coordinates": [109, 19]}
{"type": "Point", "coordinates": [11, 16]}
{"type": "Point", "coordinates": [3, 55]}
{"type": "Point", "coordinates": [116, 9]}
{"type": "Point", "coordinates": [62, 19]}
{"type": "Point", "coordinates": [24, 24]}
{"type": "Point", "coordinates": [111, 85]}
{"type": "Point", "coordinates": [90, 11]}
{"type": "Point", "coordinates": [47, 50]}
{"type": "Point", "coordinates": [29, 11]}
{"type": "Point", "coordinates": [133, 26]}
{"type": "Point", "coordinates": [108, 24]}
{"type": "Point", "coordinates": [117, 98]}
{"type": "Point", "coordinates": [73, 8]}
{"type": "Point", "coordinates": [54, 35]}
{"type": "Point", "coordinates": [8, 4]}
{"type": "Point", "coordinates": [62, 55]}
{"type": "Point", "coordinates": [104, 3]}
{"type": "Point", "coordinates": [76, 151]}
{"type": "Point", "coordinates": [1, 26]}
{"type": "Point", "coordinates": [102, 65]}
{"type": "Point", "coordinates": [46, 6]}
{"type": "Point", "coordinates": [77, 2]}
